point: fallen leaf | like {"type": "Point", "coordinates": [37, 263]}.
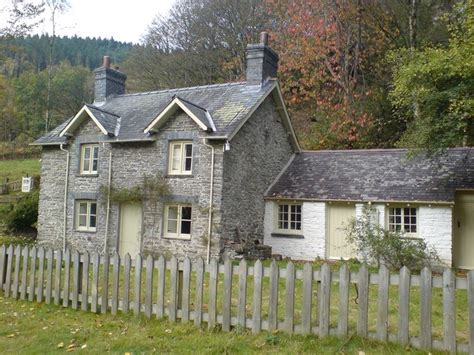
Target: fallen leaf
{"type": "Point", "coordinates": [10, 335]}
{"type": "Point", "coordinates": [60, 345]}
{"type": "Point", "coordinates": [84, 346]}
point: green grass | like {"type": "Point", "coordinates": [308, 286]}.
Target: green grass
{"type": "Point", "coordinates": [15, 169]}
{"type": "Point", "coordinates": [29, 327]}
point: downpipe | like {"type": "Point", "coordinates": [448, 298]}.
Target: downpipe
{"type": "Point", "coordinates": [66, 186]}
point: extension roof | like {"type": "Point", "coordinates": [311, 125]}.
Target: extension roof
{"type": "Point", "coordinates": [220, 110]}
{"type": "Point", "coordinates": [375, 175]}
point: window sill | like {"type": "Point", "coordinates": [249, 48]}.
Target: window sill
{"type": "Point", "coordinates": [85, 231]}
{"type": "Point", "coordinates": [287, 235]}
{"type": "Point", "coordinates": [179, 176]}
{"type": "Point", "coordinates": [175, 237]}
{"type": "Point", "coordinates": [87, 175]}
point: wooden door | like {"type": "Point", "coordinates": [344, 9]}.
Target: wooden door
{"type": "Point", "coordinates": [130, 229]}
{"type": "Point", "coordinates": [339, 217]}
{"type": "Point", "coordinates": [463, 230]}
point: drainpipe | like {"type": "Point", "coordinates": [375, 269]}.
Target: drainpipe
{"type": "Point", "coordinates": [108, 202]}
{"type": "Point", "coordinates": [211, 193]}
{"type": "Point", "coordinates": [66, 183]}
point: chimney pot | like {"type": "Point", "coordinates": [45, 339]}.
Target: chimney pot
{"type": "Point", "coordinates": [106, 61]}
{"type": "Point", "coordinates": [264, 38]}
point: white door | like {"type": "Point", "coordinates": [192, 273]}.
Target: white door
{"type": "Point", "coordinates": [130, 229]}
{"type": "Point", "coordinates": [338, 219]}
{"type": "Point", "coordinates": [463, 231]}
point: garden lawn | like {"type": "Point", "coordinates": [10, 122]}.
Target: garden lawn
{"type": "Point", "coordinates": [29, 327]}
{"type": "Point", "coordinates": [15, 169]}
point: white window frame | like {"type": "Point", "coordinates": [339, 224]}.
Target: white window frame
{"type": "Point", "coordinates": [179, 220]}
{"type": "Point", "coordinates": [181, 169]}
{"type": "Point", "coordinates": [90, 170]}
{"type": "Point", "coordinates": [290, 220]}
{"type": "Point", "coordinates": [391, 226]}
{"type": "Point", "coordinates": [87, 226]}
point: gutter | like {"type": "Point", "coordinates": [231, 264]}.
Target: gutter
{"type": "Point", "coordinates": [107, 216]}
{"type": "Point", "coordinates": [66, 185]}
{"type": "Point", "coordinates": [211, 203]}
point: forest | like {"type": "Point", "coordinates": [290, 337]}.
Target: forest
{"type": "Point", "coordinates": [354, 73]}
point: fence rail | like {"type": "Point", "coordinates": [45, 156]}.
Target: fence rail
{"type": "Point", "coordinates": [295, 298]}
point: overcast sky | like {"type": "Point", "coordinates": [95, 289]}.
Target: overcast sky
{"type": "Point", "coordinates": [124, 20]}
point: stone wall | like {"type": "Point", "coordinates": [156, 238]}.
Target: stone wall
{"type": "Point", "coordinates": [257, 155]}
{"type": "Point", "coordinates": [435, 227]}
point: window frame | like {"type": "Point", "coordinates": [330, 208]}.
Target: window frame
{"type": "Point", "coordinates": [289, 221]}
{"type": "Point", "coordinates": [90, 170]}
{"type": "Point", "coordinates": [77, 215]}
{"type": "Point", "coordinates": [392, 226]}
{"type": "Point", "coordinates": [178, 235]}
{"type": "Point", "coordinates": [182, 158]}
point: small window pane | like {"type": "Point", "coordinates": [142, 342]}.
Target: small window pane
{"type": "Point", "coordinates": [186, 213]}
{"type": "Point", "coordinates": [92, 221]}
{"type": "Point", "coordinates": [83, 208]}
{"type": "Point", "coordinates": [93, 208]}
{"type": "Point", "coordinates": [94, 165]}
{"type": "Point", "coordinates": [82, 222]}
{"type": "Point", "coordinates": [87, 153]}
{"type": "Point", "coordinates": [176, 157]}
{"type": "Point", "coordinates": [188, 150]}
{"type": "Point", "coordinates": [172, 212]}
{"type": "Point", "coordinates": [188, 164]}
{"type": "Point", "coordinates": [172, 226]}
{"type": "Point", "coordinates": [86, 165]}
{"type": "Point", "coordinates": [186, 227]}
{"type": "Point", "coordinates": [96, 152]}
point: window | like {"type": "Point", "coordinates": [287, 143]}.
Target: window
{"type": "Point", "coordinates": [402, 219]}
{"type": "Point", "coordinates": [180, 158]}
{"type": "Point", "coordinates": [89, 158]}
{"type": "Point", "coordinates": [86, 215]}
{"type": "Point", "coordinates": [178, 221]}
{"type": "Point", "coordinates": [289, 217]}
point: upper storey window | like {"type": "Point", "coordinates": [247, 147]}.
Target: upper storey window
{"type": "Point", "coordinates": [180, 158]}
{"type": "Point", "coordinates": [89, 158]}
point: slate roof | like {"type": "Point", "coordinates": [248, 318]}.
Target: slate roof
{"type": "Point", "coordinates": [375, 175]}
{"type": "Point", "coordinates": [228, 104]}
{"type": "Point", "coordinates": [108, 120]}
{"type": "Point", "coordinates": [201, 113]}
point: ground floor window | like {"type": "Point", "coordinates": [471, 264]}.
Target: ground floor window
{"type": "Point", "coordinates": [289, 217]}
{"type": "Point", "coordinates": [86, 215]}
{"type": "Point", "coordinates": [177, 221]}
{"type": "Point", "coordinates": [402, 219]}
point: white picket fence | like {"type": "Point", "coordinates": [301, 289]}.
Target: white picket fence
{"type": "Point", "coordinates": [286, 298]}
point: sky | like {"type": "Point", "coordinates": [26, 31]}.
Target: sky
{"type": "Point", "coordinates": [124, 20]}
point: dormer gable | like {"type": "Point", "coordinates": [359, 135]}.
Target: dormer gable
{"type": "Point", "coordinates": [107, 122]}
{"type": "Point", "coordinates": [198, 114]}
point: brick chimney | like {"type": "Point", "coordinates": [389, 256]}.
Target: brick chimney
{"type": "Point", "coordinates": [262, 61]}
{"type": "Point", "coordinates": [108, 81]}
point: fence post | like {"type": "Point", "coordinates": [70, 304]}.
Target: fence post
{"type": "Point", "coordinates": [449, 310]}
{"type": "Point", "coordinates": [273, 297]}
{"type": "Point", "coordinates": [127, 265]}
{"type": "Point", "coordinates": [138, 284]}
{"type": "Point", "coordinates": [404, 306]}
{"type": "Point", "coordinates": [40, 274]}
{"type": "Point", "coordinates": [95, 282]}
{"type": "Point", "coordinates": [3, 266]}
{"type": "Point", "coordinates": [257, 297]}
{"type": "Point", "coordinates": [16, 276]}
{"type": "Point", "coordinates": [382, 309]}
{"type": "Point", "coordinates": [325, 299]}
{"type": "Point", "coordinates": [31, 291]}
{"type": "Point", "coordinates": [85, 282]}
{"type": "Point", "coordinates": [160, 312]}
{"type": "Point", "coordinates": [425, 313]}
{"type": "Point", "coordinates": [24, 273]}
{"type": "Point", "coordinates": [8, 276]}
{"type": "Point", "coordinates": [67, 275]}
{"type": "Point", "coordinates": [363, 284]}
{"type": "Point", "coordinates": [242, 296]}
{"type": "Point", "coordinates": [49, 275]}
{"type": "Point", "coordinates": [290, 297]}
{"type": "Point", "coordinates": [76, 279]}
{"type": "Point", "coordinates": [213, 274]}
{"type": "Point", "coordinates": [173, 288]}
{"type": "Point", "coordinates": [149, 286]}
{"type": "Point", "coordinates": [57, 283]}
{"type": "Point", "coordinates": [115, 283]}
{"type": "Point", "coordinates": [227, 298]}
{"type": "Point", "coordinates": [199, 291]}
{"type": "Point", "coordinates": [344, 283]}
{"type": "Point", "coordinates": [307, 297]}
{"type": "Point", "coordinates": [186, 285]}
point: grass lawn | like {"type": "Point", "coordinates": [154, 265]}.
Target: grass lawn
{"type": "Point", "coordinates": [16, 169]}
{"type": "Point", "coordinates": [29, 327]}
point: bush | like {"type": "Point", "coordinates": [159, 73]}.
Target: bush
{"type": "Point", "coordinates": [394, 249]}
{"type": "Point", "coordinates": [24, 214]}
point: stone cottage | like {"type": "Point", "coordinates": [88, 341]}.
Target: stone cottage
{"type": "Point", "coordinates": [217, 148]}
{"type": "Point", "coordinates": [236, 180]}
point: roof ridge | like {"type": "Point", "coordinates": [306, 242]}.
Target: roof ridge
{"type": "Point", "coordinates": [191, 103]}
{"type": "Point", "coordinates": [373, 150]}
{"type": "Point", "coordinates": [183, 89]}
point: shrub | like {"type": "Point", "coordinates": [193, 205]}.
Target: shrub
{"type": "Point", "coordinates": [394, 249]}
{"type": "Point", "coordinates": [24, 214]}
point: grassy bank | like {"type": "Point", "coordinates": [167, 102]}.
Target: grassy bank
{"type": "Point", "coordinates": [16, 169]}
{"type": "Point", "coordinates": [29, 327]}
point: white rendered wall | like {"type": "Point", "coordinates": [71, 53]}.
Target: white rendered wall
{"type": "Point", "coordinates": [313, 244]}
{"type": "Point", "coordinates": [435, 227]}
